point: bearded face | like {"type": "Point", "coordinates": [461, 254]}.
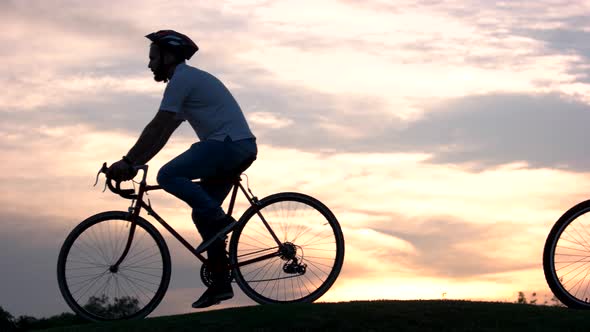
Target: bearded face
{"type": "Point", "coordinates": [157, 64]}
{"type": "Point", "coordinates": [160, 74]}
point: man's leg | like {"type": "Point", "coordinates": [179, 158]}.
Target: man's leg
{"type": "Point", "coordinates": [237, 157]}
{"type": "Point", "coordinates": [202, 160]}
{"type": "Point", "coordinates": [206, 160]}
{"type": "Point", "coordinates": [217, 189]}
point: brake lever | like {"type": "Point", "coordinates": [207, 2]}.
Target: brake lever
{"type": "Point", "coordinates": [104, 170]}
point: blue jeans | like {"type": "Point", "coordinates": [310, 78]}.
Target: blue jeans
{"type": "Point", "coordinates": [216, 163]}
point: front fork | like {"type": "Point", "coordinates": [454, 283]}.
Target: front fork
{"type": "Point", "coordinates": [132, 216]}
{"type": "Point", "coordinates": [134, 210]}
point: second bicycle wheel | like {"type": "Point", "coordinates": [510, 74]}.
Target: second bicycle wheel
{"type": "Point", "coordinates": [566, 257]}
{"type": "Point", "coordinates": [98, 291]}
{"type": "Point", "coordinates": [308, 244]}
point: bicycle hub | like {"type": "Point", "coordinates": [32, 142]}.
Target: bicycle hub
{"type": "Point", "coordinates": [288, 251]}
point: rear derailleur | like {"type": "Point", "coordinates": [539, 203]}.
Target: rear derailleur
{"type": "Point", "coordinates": [294, 267]}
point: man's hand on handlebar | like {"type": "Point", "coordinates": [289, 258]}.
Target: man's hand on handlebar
{"type": "Point", "coordinates": [121, 171]}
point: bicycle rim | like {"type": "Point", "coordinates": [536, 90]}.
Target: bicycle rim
{"type": "Point", "coordinates": [96, 291]}
{"type": "Point", "coordinates": [312, 255]}
{"type": "Point", "coordinates": [567, 258]}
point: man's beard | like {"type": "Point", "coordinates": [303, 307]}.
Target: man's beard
{"type": "Point", "coordinates": [160, 74]}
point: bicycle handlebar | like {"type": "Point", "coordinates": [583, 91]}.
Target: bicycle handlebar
{"type": "Point", "coordinates": [116, 188]}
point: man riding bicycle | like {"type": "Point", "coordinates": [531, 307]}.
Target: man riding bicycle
{"type": "Point", "coordinates": [226, 147]}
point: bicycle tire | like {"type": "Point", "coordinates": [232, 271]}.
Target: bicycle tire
{"type": "Point", "coordinates": [131, 309]}
{"type": "Point", "coordinates": [560, 240]}
{"type": "Point", "coordinates": [320, 221]}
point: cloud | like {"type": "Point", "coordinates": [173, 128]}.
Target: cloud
{"type": "Point", "coordinates": [485, 131]}
{"type": "Point", "coordinates": [451, 248]}
{"type": "Point", "coordinates": [310, 120]}
{"type": "Point", "coordinates": [570, 39]}
{"type": "Point", "coordinates": [88, 19]}
{"type": "Point", "coordinates": [119, 94]}
{"type": "Point", "coordinates": [278, 111]}
{"type": "Point", "coordinates": [64, 38]}
{"type": "Point", "coordinates": [560, 26]}
{"type": "Point", "coordinates": [495, 34]}
{"type": "Point", "coordinates": [542, 131]}
{"type": "Point", "coordinates": [439, 248]}
{"type": "Point", "coordinates": [50, 38]}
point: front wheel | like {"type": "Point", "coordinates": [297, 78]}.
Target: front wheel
{"type": "Point", "coordinates": [307, 249]}
{"type": "Point", "coordinates": [566, 257]}
{"type": "Point", "coordinates": [98, 291]}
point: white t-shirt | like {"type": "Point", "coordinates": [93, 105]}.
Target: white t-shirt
{"type": "Point", "coordinates": [202, 100]}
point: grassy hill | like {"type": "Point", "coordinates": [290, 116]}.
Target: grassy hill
{"type": "Point", "coordinates": [365, 316]}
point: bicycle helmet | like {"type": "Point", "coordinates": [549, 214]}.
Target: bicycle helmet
{"type": "Point", "coordinates": [174, 41]}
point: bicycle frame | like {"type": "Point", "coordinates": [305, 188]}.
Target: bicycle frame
{"type": "Point", "coordinates": [138, 203]}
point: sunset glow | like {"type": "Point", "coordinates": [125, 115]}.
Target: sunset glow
{"type": "Point", "coordinates": [446, 137]}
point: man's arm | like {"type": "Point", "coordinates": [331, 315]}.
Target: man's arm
{"type": "Point", "coordinates": [154, 137]}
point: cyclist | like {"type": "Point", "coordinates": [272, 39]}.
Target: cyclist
{"type": "Point", "coordinates": [225, 148]}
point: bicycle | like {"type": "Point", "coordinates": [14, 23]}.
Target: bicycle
{"type": "Point", "coordinates": [566, 257]}
{"type": "Point", "coordinates": [287, 247]}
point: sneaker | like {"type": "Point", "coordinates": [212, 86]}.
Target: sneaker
{"type": "Point", "coordinates": [226, 225]}
{"type": "Point", "coordinates": [214, 295]}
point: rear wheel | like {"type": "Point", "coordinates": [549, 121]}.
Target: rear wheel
{"type": "Point", "coordinates": [91, 285]}
{"type": "Point", "coordinates": [566, 257]}
{"type": "Point", "coordinates": [308, 257]}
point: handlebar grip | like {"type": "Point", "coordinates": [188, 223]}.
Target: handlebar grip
{"type": "Point", "coordinates": [125, 193]}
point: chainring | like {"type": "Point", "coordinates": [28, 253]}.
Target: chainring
{"type": "Point", "coordinates": [208, 280]}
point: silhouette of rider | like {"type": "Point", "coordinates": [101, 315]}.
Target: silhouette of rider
{"type": "Point", "coordinates": [225, 148]}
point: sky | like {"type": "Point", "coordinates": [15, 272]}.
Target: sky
{"type": "Point", "coordinates": [446, 136]}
